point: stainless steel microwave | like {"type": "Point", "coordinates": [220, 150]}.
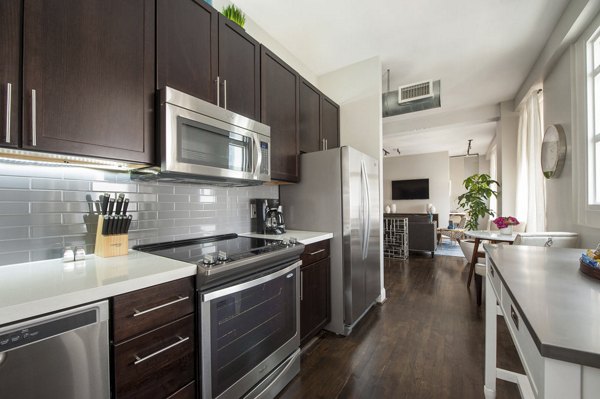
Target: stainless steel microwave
{"type": "Point", "coordinates": [202, 142]}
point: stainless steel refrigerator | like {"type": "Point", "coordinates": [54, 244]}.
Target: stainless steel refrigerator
{"type": "Point", "coordinates": [339, 193]}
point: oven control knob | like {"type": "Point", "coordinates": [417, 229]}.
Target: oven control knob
{"type": "Point", "coordinates": [293, 240]}
{"type": "Point", "coordinates": [222, 256]}
{"type": "Point", "coordinates": [208, 260]}
{"type": "Point", "coordinates": [285, 242]}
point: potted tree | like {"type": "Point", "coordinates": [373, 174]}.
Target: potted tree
{"type": "Point", "coordinates": [475, 202]}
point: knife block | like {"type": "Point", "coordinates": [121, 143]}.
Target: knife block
{"type": "Point", "coordinates": [111, 245]}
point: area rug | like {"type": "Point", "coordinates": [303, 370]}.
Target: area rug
{"type": "Point", "coordinates": [449, 249]}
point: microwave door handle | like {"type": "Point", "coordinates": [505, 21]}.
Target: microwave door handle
{"type": "Point", "coordinates": [256, 171]}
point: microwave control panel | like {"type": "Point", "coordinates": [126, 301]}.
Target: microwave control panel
{"type": "Point", "coordinates": [264, 149]}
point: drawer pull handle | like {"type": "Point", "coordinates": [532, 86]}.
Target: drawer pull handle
{"type": "Point", "coordinates": [514, 316]}
{"type": "Point", "coordinates": [317, 252]}
{"type": "Point", "coordinates": [180, 340]}
{"type": "Point", "coordinates": [137, 313]}
{"type": "Point", "coordinates": [8, 110]}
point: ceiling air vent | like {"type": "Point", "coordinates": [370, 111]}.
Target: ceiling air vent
{"type": "Point", "coordinates": [415, 91]}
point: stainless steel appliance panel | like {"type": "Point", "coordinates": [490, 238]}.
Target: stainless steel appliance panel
{"type": "Point", "coordinates": [344, 201]}
{"type": "Point", "coordinates": [63, 355]}
{"type": "Point", "coordinates": [248, 332]}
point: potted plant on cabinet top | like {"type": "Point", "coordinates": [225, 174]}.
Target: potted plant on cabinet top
{"type": "Point", "coordinates": [235, 14]}
{"type": "Point", "coordinates": [476, 200]}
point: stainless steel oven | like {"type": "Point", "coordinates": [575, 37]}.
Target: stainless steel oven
{"type": "Point", "coordinates": [201, 141]}
{"type": "Point", "coordinates": [250, 335]}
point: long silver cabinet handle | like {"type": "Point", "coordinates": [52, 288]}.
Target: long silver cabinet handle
{"type": "Point", "coordinates": [225, 93]}
{"type": "Point", "coordinates": [317, 252]}
{"type": "Point", "coordinates": [218, 91]}
{"type": "Point", "coordinates": [326, 144]}
{"type": "Point", "coordinates": [301, 285]}
{"type": "Point", "coordinates": [8, 109]}
{"type": "Point", "coordinates": [33, 118]}
{"type": "Point", "coordinates": [323, 144]}
{"type": "Point", "coordinates": [137, 313]}
{"type": "Point", "coordinates": [180, 341]}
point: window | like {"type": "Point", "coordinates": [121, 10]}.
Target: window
{"type": "Point", "coordinates": [593, 130]}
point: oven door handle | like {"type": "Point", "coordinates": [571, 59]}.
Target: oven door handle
{"type": "Point", "coordinates": [249, 284]}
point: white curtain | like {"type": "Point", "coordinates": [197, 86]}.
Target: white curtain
{"type": "Point", "coordinates": [531, 185]}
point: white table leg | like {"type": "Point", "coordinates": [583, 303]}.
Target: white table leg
{"type": "Point", "coordinates": [489, 389]}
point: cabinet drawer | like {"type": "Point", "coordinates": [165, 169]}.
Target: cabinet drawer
{"type": "Point", "coordinates": [532, 360]}
{"type": "Point", "coordinates": [143, 310]}
{"type": "Point", "coordinates": [493, 276]}
{"type": "Point", "coordinates": [158, 363]}
{"type": "Point", "coordinates": [315, 252]}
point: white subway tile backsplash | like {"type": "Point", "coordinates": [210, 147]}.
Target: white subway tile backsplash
{"type": "Point", "coordinates": [43, 209]}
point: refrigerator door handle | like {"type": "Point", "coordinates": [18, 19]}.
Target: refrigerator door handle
{"type": "Point", "coordinates": [368, 210]}
{"type": "Point", "coordinates": [365, 220]}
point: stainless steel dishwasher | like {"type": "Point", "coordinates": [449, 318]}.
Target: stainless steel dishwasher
{"type": "Point", "coordinates": [62, 355]}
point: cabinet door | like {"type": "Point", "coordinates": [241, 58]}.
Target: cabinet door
{"type": "Point", "coordinates": [310, 117]}
{"type": "Point", "coordinates": [279, 109]}
{"type": "Point", "coordinates": [239, 70]}
{"type": "Point", "coordinates": [89, 78]}
{"type": "Point", "coordinates": [330, 128]}
{"type": "Point", "coordinates": [187, 47]}
{"type": "Point", "coordinates": [10, 88]}
{"type": "Point", "coordinates": [315, 299]}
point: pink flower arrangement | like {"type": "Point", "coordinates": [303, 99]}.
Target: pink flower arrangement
{"type": "Point", "coordinates": [503, 222]}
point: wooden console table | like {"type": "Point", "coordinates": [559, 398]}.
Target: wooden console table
{"type": "Point", "coordinates": [552, 313]}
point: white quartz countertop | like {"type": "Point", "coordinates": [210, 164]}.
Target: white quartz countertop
{"type": "Point", "coordinates": [35, 288]}
{"type": "Point", "coordinates": [559, 304]}
{"type": "Point", "coordinates": [304, 237]}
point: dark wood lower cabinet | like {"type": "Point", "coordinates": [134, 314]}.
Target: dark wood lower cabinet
{"type": "Point", "coordinates": [154, 342]}
{"type": "Point", "coordinates": [314, 297]}
{"type": "Point", "coordinates": [158, 363]}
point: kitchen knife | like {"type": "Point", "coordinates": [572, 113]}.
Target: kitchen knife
{"type": "Point", "coordinates": [119, 205]}
{"type": "Point", "coordinates": [104, 203]}
{"type": "Point", "coordinates": [111, 205]}
{"type": "Point", "coordinates": [125, 206]}
{"type": "Point", "coordinates": [113, 225]}
{"type": "Point", "coordinates": [129, 219]}
{"type": "Point", "coordinates": [118, 224]}
{"type": "Point", "coordinates": [105, 225]}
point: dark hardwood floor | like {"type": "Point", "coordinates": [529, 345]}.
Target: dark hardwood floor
{"type": "Point", "coordinates": [426, 341]}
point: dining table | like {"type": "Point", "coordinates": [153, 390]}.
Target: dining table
{"type": "Point", "coordinates": [493, 237]}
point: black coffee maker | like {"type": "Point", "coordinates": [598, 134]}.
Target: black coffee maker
{"type": "Point", "coordinates": [266, 216]}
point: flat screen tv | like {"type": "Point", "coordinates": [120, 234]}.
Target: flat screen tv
{"type": "Point", "coordinates": [410, 189]}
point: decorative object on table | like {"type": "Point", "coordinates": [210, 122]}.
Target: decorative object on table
{"type": "Point", "coordinates": [590, 263]}
{"type": "Point", "coordinates": [111, 235]}
{"type": "Point", "coordinates": [450, 224]}
{"type": "Point", "coordinates": [387, 209]}
{"type": "Point", "coordinates": [235, 14]}
{"type": "Point", "coordinates": [475, 201]}
{"type": "Point", "coordinates": [505, 224]}
{"type": "Point", "coordinates": [554, 151]}
{"type": "Point", "coordinates": [393, 208]}
{"type": "Point", "coordinates": [430, 209]}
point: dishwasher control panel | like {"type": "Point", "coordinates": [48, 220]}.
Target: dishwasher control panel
{"type": "Point", "coordinates": [28, 335]}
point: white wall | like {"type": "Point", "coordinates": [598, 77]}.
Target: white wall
{"type": "Point", "coordinates": [357, 89]}
{"type": "Point", "coordinates": [435, 167]}
{"type": "Point", "coordinates": [460, 169]}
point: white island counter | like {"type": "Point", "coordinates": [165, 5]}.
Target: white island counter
{"type": "Point", "coordinates": [552, 311]}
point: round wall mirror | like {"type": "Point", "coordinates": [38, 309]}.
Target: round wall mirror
{"type": "Point", "coordinates": [554, 151]}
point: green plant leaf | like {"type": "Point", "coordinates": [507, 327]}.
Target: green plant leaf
{"type": "Point", "coordinates": [476, 199]}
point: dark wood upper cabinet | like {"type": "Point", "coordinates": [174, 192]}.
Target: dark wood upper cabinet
{"type": "Point", "coordinates": [279, 109]}
{"type": "Point", "coordinates": [89, 77]}
{"type": "Point", "coordinates": [330, 127]}
{"type": "Point", "coordinates": [310, 117]}
{"type": "Point", "coordinates": [239, 70]}
{"type": "Point", "coordinates": [187, 47]}
{"type": "Point", "coordinates": [10, 75]}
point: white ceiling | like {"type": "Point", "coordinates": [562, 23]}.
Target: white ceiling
{"type": "Point", "coordinates": [481, 50]}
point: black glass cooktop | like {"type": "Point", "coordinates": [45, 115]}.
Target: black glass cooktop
{"type": "Point", "coordinates": [213, 250]}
